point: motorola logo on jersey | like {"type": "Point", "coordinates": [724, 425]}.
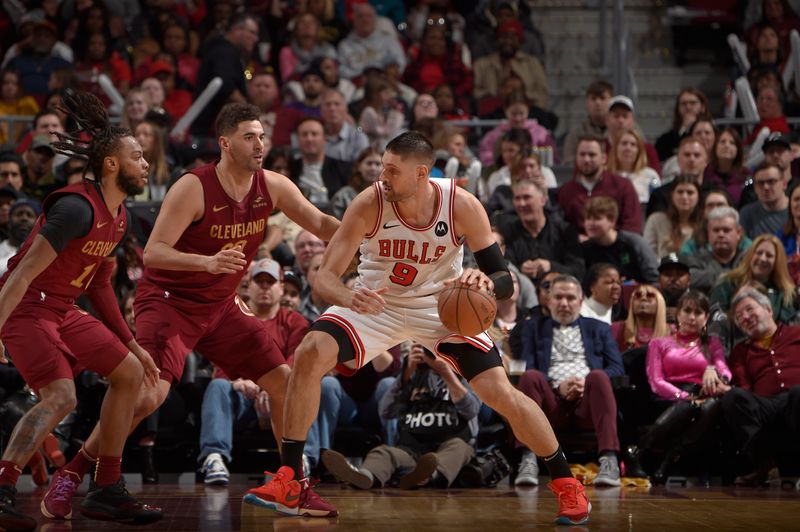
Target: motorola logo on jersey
{"type": "Point", "coordinates": [441, 229]}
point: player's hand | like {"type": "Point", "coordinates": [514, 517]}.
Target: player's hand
{"type": "Point", "coordinates": [226, 261]}
{"type": "Point", "coordinates": [3, 359]}
{"type": "Point", "coordinates": [473, 277]}
{"type": "Point", "coordinates": [366, 301]}
{"type": "Point", "coordinates": [151, 371]}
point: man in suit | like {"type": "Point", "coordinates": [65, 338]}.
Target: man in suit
{"type": "Point", "coordinates": [317, 175]}
{"type": "Point", "coordinates": [570, 362]}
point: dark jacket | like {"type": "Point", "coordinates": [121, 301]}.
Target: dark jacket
{"type": "Point", "coordinates": [335, 173]}
{"type": "Point", "coordinates": [600, 347]}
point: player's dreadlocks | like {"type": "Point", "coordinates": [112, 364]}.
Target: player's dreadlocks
{"type": "Point", "coordinates": [91, 116]}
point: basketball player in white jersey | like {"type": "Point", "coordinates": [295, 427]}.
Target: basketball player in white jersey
{"type": "Point", "coordinates": [410, 230]}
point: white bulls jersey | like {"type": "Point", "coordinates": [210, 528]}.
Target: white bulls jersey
{"type": "Point", "coordinates": [412, 261]}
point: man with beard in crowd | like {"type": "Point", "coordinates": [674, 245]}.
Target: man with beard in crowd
{"type": "Point", "coordinates": [673, 281]}
{"type": "Point", "coordinates": [21, 217]}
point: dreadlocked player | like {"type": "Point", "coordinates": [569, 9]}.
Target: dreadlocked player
{"type": "Point", "coordinates": [50, 339]}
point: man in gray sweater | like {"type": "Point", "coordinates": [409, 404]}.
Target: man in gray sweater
{"type": "Point", "coordinates": [724, 237]}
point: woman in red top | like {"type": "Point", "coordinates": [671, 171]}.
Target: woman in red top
{"type": "Point", "coordinates": [436, 61]}
{"type": "Point", "coordinates": [98, 58]}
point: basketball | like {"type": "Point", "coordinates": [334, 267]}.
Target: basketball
{"type": "Point", "coordinates": [466, 310]}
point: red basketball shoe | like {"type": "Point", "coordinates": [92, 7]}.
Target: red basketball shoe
{"type": "Point", "coordinates": [573, 505]}
{"type": "Point", "coordinates": [288, 496]}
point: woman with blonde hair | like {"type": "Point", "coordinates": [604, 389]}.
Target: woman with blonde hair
{"type": "Point", "coordinates": [137, 103]}
{"type": "Point", "coordinates": [765, 263]}
{"type": "Point", "coordinates": [628, 158]}
{"type": "Point", "coordinates": [647, 319]}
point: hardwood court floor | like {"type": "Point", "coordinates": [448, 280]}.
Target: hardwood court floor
{"type": "Point", "coordinates": [189, 506]}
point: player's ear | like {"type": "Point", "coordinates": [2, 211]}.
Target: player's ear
{"type": "Point", "coordinates": [224, 143]}
{"type": "Point", "coordinates": [110, 163]}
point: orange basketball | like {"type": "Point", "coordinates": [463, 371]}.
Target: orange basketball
{"type": "Point", "coordinates": [466, 310]}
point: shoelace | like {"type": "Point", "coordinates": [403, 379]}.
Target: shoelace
{"type": "Point", "coordinates": [64, 489]}
{"type": "Point", "coordinates": [605, 467]}
{"type": "Point", "coordinates": [569, 495]}
{"type": "Point", "coordinates": [275, 476]}
{"type": "Point", "coordinates": [307, 493]}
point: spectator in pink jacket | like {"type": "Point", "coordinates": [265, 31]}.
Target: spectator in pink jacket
{"type": "Point", "coordinates": [516, 109]}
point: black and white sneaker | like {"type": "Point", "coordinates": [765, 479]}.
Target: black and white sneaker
{"type": "Point", "coordinates": [10, 518]}
{"type": "Point", "coordinates": [338, 466]}
{"type": "Point", "coordinates": [114, 503]}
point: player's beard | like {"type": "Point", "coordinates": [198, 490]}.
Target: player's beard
{"type": "Point", "coordinates": [129, 184]}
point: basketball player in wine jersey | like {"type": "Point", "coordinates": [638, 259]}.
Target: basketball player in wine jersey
{"type": "Point", "coordinates": [410, 230]}
{"type": "Point", "coordinates": [209, 228]}
{"type": "Point", "coordinates": [50, 339]}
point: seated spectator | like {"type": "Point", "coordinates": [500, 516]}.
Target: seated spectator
{"type": "Point", "coordinates": [39, 178]}
{"type": "Point", "coordinates": [781, 16]}
{"type": "Point", "coordinates": [14, 101]}
{"type": "Point", "coordinates": [423, 108]}
{"type": "Point", "coordinates": [155, 93]}
{"type": "Point", "coordinates": [666, 232]}
{"type": "Point", "coordinates": [620, 117]}
{"type": "Point", "coordinates": [330, 76]}
{"type": "Point", "coordinates": [674, 278]}
{"type": "Point", "coordinates": [484, 23]}
{"type": "Point", "coordinates": [381, 119]}
{"type": "Point", "coordinates": [688, 370]}
{"type": "Point", "coordinates": [711, 200]}
{"type": "Point", "coordinates": [690, 105]}
{"type": "Point", "coordinates": [262, 91]}
{"type": "Point", "coordinates": [11, 171]}
{"type": "Point", "coordinates": [450, 107]}
{"type": "Point", "coordinates": [692, 161]}
{"type": "Point", "coordinates": [292, 287]}
{"type": "Point", "coordinates": [705, 132]}
{"type": "Point", "coordinates": [778, 151]}
{"type": "Point", "coordinates": [242, 403]}
{"type": "Point", "coordinates": [536, 243]}
{"type": "Point", "coordinates": [366, 171]}
{"type": "Point", "coordinates": [176, 99]}
{"type": "Point", "coordinates": [769, 104]}
{"type": "Point", "coordinates": [312, 304]}
{"type": "Point", "coordinates": [770, 212]}
{"type": "Point", "coordinates": [766, 372]}
{"type": "Point", "coordinates": [421, 13]}
{"type": "Point", "coordinates": [724, 250]}
{"type": "Point", "coordinates": [570, 361]}
{"type": "Point", "coordinates": [98, 57]}
{"type": "Point", "coordinates": [306, 247]}
{"type": "Point", "coordinates": [764, 262]}
{"type": "Point", "coordinates": [426, 454]}
{"type": "Point", "coordinates": [304, 46]}
{"type": "Point", "coordinates": [333, 29]}
{"type": "Point", "coordinates": [460, 164]}
{"type": "Point", "coordinates": [789, 234]}
{"type": "Point", "coordinates": [646, 321]}
{"type": "Point", "coordinates": [368, 45]}
{"type": "Point", "coordinates": [318, 176]}
{"type": "Point", "coordinates": [22, 215]}
{"type": "Point", "coordinates": [491, 107]}
{"type": "Point", "coordinates": [726, 166]}
{"type": "Point", "coordinates": [491, 70]}
{"type": "Point", "coordinates": [514, 143]}
{"type": "Point", "coordinates": [344, 141]}
{"type": "Point", "coordinates": [628, 158]}
{"type": "Point", "coordinates": [627, 251]}
{"type": "Point", "coordinates": [7, 196]}
{"type": "Point", "coordinates": [137, 104]}
{"type": "Point", "coordinates": [516, 111]}
{"type": "Point", "coordinates": [39, 58]}
{"type": "Point", "coordinates": [604, 287]}
{"type": "Point", "coordinates": [537, 312]}
{"type": "Point", "coordinates": [151, 138]}
{"type": "Point", "coordinates": [175, 42]}
{"type": "Point", "coordinates": [592, 179]}
{"type": "Point", "coordinates": [527, 166]}
{"type": "Point", "coordinates": [598, 93]}
{"type": "Point", "coordinates": [766, 52]}
{"type": "Point", "coordinates": [436, 61]}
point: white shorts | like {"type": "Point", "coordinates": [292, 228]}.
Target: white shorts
{"type": "Point", "coordinates": [415, 319]}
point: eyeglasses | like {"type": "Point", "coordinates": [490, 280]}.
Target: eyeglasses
{"type": "Point", "coordinates": [436, 21]}
{"type": "Point", "coordinates": [545, 285]}
{"type": "Point", "coordinates": [767, 182]}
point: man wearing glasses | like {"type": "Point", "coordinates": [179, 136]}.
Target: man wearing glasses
{"type": "Point", "coordinates": [768, 214]}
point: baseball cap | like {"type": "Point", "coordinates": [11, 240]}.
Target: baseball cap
{"type": "Point", "coordinates": [291, 277]}
{"type": "Point", "coordinates": [35, 206]}
{"type": "Point", "coordinates": [776, 138]}
{"type": "Point", "coordinates": [510, 26]}
{"type": "Point", "coordinates": [159, 66]}
{"type": "Point", "coordinates": [622, 100]}
{"type": "Point", "coordinates": [41, 141]}
{"type": "Point", "coordinates": [268, 266]}
{"type": "Point", "coordinates": [673, 259]}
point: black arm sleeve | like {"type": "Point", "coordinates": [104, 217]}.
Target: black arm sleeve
{"type": "Point", "coordinates": [491, 262]}
{"type": "Point", "coordinates": [69, 218]}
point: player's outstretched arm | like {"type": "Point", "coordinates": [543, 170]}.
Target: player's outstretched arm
{"type": "Point", "coordinates": [288, 198]}
{"type": "Point", "coordinates": [183, 205]}
{"type": "Point", "coordinates": [358, 220]}
{"type": "Point", "coordinates": [35, 261]}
